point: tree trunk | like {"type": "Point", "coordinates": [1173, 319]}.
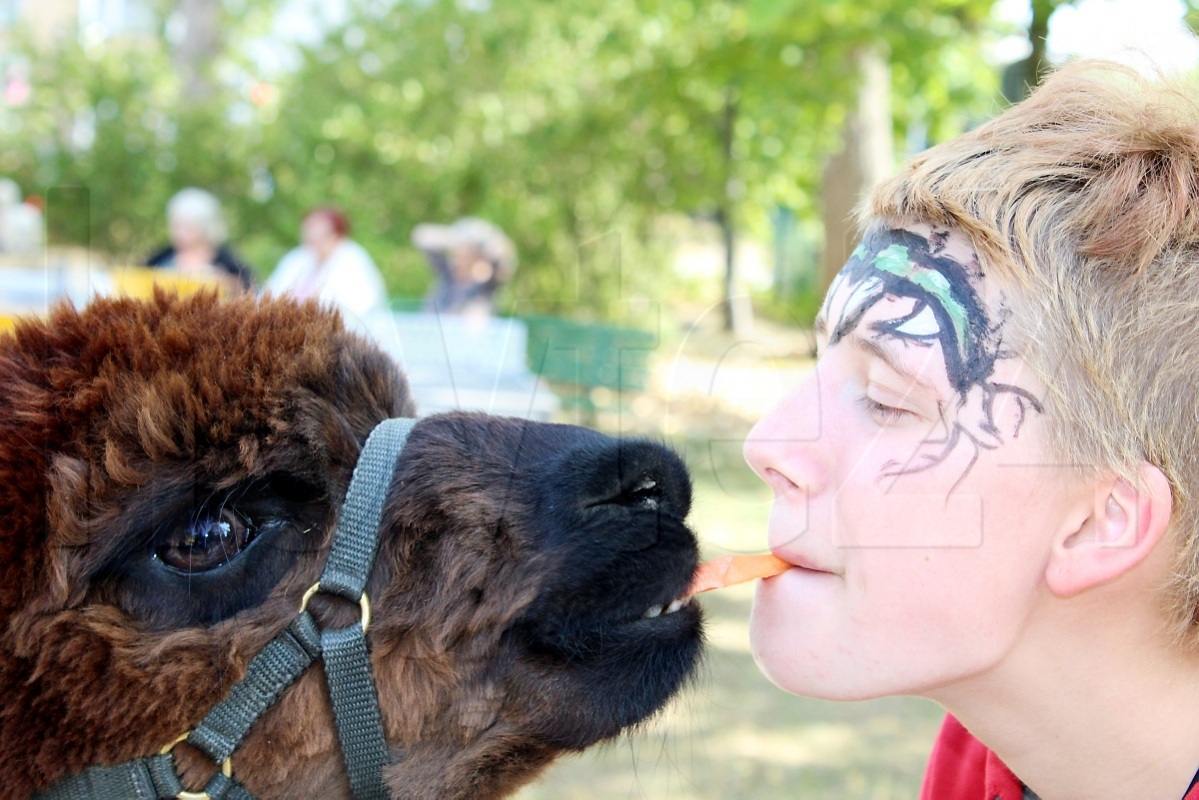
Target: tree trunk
{"type": "Point", "coordinates": [738, 312]}
{"type": "Point", "coordinates": [1021, 77]}
{"type": "Point", "coordinates": [197, 46]}
{"type": "Point", "coordinates": [1038, 34]}
{"type": "Point", "coordinates": [864, 161]}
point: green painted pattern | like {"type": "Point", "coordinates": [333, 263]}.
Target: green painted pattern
{"type": "Point", "coordinates": [896, 260]}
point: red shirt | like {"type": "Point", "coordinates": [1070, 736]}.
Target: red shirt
{"type": "Point", "coordinates": [962, 768]}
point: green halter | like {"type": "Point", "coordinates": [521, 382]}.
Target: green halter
{"type": "Point", "coordinates": [344, 652]}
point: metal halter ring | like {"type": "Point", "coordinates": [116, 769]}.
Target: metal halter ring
{"type": "Point", "coordinates": [364, 603]}
{"type": "Point", "coordinates": [226, 770]}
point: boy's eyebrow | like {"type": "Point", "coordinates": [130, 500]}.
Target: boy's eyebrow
{"type": "Point", "coordinates": [889, 357]}
{"type": "Point", "coordinates": [880, 351]}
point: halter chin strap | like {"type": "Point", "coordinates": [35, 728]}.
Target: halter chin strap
{"type": "Point", "coordinates": [343, 651]}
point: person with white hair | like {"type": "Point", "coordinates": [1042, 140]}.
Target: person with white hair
{"type": "Point", "coordinates": [198, 242]}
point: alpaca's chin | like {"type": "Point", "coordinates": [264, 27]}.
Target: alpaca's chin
{"type": "Point", "coordinates": [643, 663]}
{"type": "Point", "coordinates": [606, 677]}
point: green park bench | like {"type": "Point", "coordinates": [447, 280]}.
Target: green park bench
{"type": "Point", "coordinates": [592, 366]}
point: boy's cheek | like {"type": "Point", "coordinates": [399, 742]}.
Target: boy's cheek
{"type": "Point", "coordinates": [770, 641]}
{"type": "Point", "coordinates": [910, 518]}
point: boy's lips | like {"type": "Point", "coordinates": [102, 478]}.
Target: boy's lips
{"type": "Point", "coordinates": [801, 561]}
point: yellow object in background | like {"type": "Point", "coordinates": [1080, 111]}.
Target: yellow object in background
{"type": "Point", "coordinates": [30, 290]}
{"type": "Point", "coordinates": [139, 282]}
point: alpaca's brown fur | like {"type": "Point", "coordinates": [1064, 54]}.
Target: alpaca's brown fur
{"type": "Point", "coordinates": [110, 415]}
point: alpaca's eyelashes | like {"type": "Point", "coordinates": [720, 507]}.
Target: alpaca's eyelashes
{"type": "Point", "coordinates": [207, 541]}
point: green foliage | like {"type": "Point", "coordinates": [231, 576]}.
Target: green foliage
{"type": "Point", "coordinates": [573, 125]}
{"type": "Point", "coordinates": [110, 119]}
{"type": "Point", "coordinates": [94, 119]}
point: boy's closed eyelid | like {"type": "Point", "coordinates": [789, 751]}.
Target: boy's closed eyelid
{"type": "Point", "coordinates": [893, 390]}
{"type": "Point", "coordinates": [884, 413]}
{"type": "Point", "coordinates": [884, 367]}
{"type": "Point", "coordinates": [885, 389]}
{"type": "Point", "coordinates": [893, 361]}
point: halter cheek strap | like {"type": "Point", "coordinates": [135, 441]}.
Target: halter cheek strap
{"type": "Point", "coordinates": [343, 651]}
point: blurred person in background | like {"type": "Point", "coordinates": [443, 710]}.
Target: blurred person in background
{"type": "Point", "coordinates": [198, 246]}
{"type": "Point", "coordinates": [330, 267]}
{"type": "Point", "coordinates": [22, 231]}
{"type": "Point", "coordinates": [472, 259]}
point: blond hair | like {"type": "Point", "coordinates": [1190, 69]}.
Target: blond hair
{"type": "Point", "coordinates": [1085, 198]}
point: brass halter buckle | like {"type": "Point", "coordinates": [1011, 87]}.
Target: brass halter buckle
{"type": "Point", "coordinates": [226, 770]}
{"type": "Point", "coordinates": [364, 604]}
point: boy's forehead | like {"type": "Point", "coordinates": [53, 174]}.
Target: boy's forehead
{"type": "Point", "coordinates": [993, 290]}
{"type": "Point", "coordinates": [947, 242]}
{"type": "Point", "coordinates": [951, 242]}
{"type": "Point", "coordinates": [920, 285]}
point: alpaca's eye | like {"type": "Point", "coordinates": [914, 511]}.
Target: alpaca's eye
{"type": "Point", "coordinates": [206, 542]}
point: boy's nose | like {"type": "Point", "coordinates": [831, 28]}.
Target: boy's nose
{"type": "Point", "coordinates": [783, 447]}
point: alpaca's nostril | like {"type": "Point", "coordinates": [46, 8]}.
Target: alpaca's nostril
{"type": "Point", "coordinates": [626, 475]}
{"type": "Point", "coordinates": [645, 493]}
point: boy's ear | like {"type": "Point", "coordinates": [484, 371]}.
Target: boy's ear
{"type": "Point", "coordinates": [1121, 530]}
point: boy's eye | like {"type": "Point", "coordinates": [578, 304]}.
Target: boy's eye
{"type": "Point", "coordinates": [884, 414]}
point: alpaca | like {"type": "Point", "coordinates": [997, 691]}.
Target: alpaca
{"type": "Point", "coordinates": [171, 474]}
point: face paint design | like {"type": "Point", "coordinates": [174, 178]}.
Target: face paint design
{"type": "Point", "coordinates": [947, 310]}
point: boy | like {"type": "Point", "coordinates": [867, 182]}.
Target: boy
{"type": "Point", "coordinates": [988, 484]}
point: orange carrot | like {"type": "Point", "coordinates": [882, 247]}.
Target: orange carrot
{"type": "Point", "coordinates": [729, 570]}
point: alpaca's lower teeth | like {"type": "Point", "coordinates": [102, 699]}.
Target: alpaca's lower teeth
{"type": "Point", "coordinates": [657, 611]}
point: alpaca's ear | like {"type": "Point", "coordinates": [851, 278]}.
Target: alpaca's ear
{"type": "Point", "coordinates": [1123, 525]}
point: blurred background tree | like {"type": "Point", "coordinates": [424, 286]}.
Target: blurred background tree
{"type": "Point", "coordinates": [574, 125]}
{"type": "Point", "coordinates": [581, 128]}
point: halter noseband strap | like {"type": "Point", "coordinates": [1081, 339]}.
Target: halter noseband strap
{"type": "Point", "coordinates": [343, 651]}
